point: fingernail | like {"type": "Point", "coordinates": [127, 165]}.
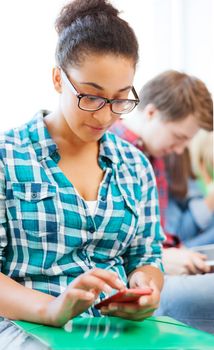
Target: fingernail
{"type": "Point", "coordinates": [143, 301]}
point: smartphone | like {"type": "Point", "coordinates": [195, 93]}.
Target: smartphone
{"type": "Point", "coordinates": [125, 296]}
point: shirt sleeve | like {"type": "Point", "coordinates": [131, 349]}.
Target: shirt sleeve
{"type": "Point", "coordinates": [3, 220]}
{"type": "Point", "coordinates": [146, 247]}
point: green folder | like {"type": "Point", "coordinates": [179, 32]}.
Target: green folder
{"type": "Point", "coordinates": [111, 333]}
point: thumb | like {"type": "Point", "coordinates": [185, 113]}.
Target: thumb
{"type": "Point", "coordinates": [140, 280]}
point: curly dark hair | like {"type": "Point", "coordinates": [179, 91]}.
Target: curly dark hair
{"type": "Point", "coordinates": [86, 26]}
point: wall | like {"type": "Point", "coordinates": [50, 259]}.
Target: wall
{"type": "Point", "coordinates": [174, 34]}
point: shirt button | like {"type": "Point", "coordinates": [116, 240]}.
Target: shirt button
{"type": "Point", "coordinates": [91, 229]}
{"type": "Point", "coordinates": [34, 195]}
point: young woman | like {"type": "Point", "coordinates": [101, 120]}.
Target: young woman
{"type": "Point", "coordinates": [78, 206]}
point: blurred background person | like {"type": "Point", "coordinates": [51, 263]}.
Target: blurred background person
{"type": "Point", "coordinates": [190, 211]}
{"type": "Point", "coordinates": [202, 159]}
{"type": "Point", "coordinates": [173, 107]}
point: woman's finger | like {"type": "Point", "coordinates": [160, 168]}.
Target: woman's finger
{"type": "Point", "coordinates": [102, 280]}
{"type": "Point", "coordinates": [88, 282]}
{"type": "Point", "coordinates": [109, 277]}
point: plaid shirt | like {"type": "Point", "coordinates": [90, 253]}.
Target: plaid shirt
{"type": "Point", "coordinates": [47, 233]}
{"type": "Point", "coordinates": [159, 169]}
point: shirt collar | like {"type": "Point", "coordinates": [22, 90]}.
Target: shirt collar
{"type": "Point", "coordinates": [42, 141]}
{"type": "Point", "coordinates": [109, 149]}
{"type": "Point", "coordinates": [45, 146]}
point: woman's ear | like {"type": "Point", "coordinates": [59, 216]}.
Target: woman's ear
{"type": "Point", "coordinates": [57, 81]}
{"type": "Point", "coordinates": [150, 110]}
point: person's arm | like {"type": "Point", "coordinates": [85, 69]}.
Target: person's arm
{"type": "Point", "coordinates": [16, 301]}
{"type": "Point", "coordinates": [143, 257]}
{"type": "Point", "coordinates": [146, 247]}
{"type": "Point", "coordinates": [180, 261]}
{"type": "Point", "coordinates": [22, 303]}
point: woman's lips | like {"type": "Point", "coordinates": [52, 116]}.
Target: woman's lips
{"type": "Point", "coordinates": [97, 128]}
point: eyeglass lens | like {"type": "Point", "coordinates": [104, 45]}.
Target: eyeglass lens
{"type": "Point", "coordinates": [93, 103]}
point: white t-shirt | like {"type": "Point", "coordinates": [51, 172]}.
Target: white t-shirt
{"type": "Point", "coordinates": [92, 206]}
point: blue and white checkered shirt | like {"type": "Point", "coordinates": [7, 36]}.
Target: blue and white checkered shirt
{"type": "Point", "coordinates": [47, 234]}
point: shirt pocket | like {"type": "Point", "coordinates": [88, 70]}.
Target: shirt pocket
{"type": "Point", "coordinates": [36, 207]}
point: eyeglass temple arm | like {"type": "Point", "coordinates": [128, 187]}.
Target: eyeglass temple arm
{"type": "Point", "coordinates": [135, 94]}
{"type": "Point", "coordinates": [67, 81]}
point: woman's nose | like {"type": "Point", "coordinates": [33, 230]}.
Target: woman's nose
{"type": "Point", "coordinates": [104, 115]}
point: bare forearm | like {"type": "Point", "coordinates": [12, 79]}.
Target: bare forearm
{"type": "Point", "coordinates": [18, 302]}
{"type": "Point", "coordinates": [21, 303]}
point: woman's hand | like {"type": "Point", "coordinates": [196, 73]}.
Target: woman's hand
{"type": "Point", "coordinates": [79, 296]}
{"type": "Point", "coordinates": [140, 310]}
{"type": "Point", "coordinates": [179, 261]}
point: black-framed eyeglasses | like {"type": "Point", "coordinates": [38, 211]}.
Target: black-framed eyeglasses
{"type": "Point", "coordinates": [93, 103]}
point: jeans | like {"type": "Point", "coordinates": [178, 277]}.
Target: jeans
{"type": "Point", "coordinates": [189, 299]}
